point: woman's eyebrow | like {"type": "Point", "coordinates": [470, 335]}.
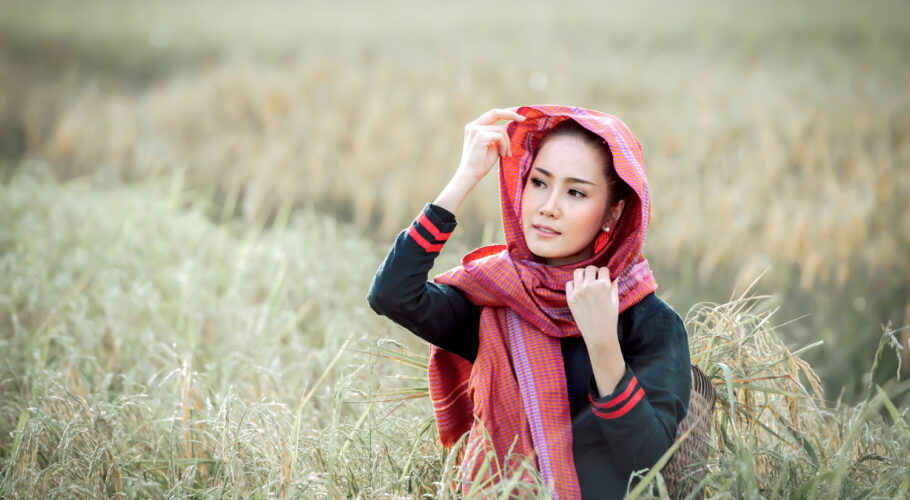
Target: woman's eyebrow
{"type": "Point", "coordinates": [572, 179]}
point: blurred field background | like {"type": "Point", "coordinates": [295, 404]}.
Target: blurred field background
{"type": "Point", "coordinates": [195, 197]}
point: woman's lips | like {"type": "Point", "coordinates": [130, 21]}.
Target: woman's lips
{"type": "Point", "coordinates": [545, 232]}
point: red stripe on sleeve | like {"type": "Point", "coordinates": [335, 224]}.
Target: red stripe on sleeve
{"type": "Point", "coordinates": [618, 399]}
{"type": "Point", "coordinates": [622, 411]}
{"type": "Point", "coordinates": [412, 232]}
{"type": "Point", "coordinates": [425, 222]}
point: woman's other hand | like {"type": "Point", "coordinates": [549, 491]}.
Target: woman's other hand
{"type": "Point", "coordinates": [594, 302]}
{"type": "Point", "coordinates": [484, 143]}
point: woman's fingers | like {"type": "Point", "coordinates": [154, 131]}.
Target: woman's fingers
{"type": "Point", "coordinates": [590, 275]}
{"type": "Point", "coordinates": [486, 135]}
{"type": "Point", "coordinates": [501, 139]}
{"type": "Point", "coordinates": [585, 278]}
{"type": "Point", "coordinates": [477, 159]}
{"type": "Point", "coordinates": [494, 115]}
{"type": "Point", "coordinates": [498, 134]}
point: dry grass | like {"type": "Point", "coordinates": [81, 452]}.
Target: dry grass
{"type": "Point", "coordinates": [776, 136]}
{"type": "Point", "coordinates": [151, 353]}
{"type": "Point", "coordinates": [775, 433]}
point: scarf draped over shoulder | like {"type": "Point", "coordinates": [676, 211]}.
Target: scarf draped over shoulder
{"type": "Point", "coordinates": [515, 391]}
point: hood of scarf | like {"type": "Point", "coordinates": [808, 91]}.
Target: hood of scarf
{"type": "Point", "coordinates": [515, 391]}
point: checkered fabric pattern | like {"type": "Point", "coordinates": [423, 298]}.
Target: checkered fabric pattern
{"type": "Point", "coordinates": [516, 389]}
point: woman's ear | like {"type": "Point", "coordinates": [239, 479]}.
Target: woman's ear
{"type": "Point", "coordinates": [616, 212]}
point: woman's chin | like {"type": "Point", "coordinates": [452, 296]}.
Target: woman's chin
{"type": "Point", "coordinates": [546, 255]}
{"type": "Point", "coordinates": [556, 256]}
{"type": "Point", "coordinates": [539, 250]}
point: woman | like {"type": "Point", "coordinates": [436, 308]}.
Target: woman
{"type": "Point", "coordinates": [554, 344]}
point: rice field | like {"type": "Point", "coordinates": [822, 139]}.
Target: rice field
{"type": "Point", "coordinates": [193, 199]}
{"type": "Point", "coordinates": [153, 353]}
{"type": "Point", "coordinates": [775, 135]}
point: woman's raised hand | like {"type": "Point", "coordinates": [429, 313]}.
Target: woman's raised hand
{"type": "Point", "coordinates": [484, 143]}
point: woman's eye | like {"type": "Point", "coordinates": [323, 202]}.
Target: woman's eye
{"type": "Point", "coordinates": [537, 182]}
{"type": "Point", "coordinates": [576, 193]}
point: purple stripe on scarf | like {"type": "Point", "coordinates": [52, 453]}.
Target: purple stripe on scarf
{"type": "Point", "coordinates": [529, 396]}
{"type": "Point", "coordinates": [625, 149]}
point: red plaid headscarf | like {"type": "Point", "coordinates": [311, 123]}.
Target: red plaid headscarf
{"type": "Point", "coordinates": [516, 387]}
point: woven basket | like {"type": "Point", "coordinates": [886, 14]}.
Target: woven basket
{"type": "Point", "coordinates": [687, 466]}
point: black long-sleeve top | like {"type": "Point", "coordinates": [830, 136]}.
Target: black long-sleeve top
{"type": "Point", "coordinates": [614, 434]}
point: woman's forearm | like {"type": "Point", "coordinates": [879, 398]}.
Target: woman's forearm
{"type": "Point", "coordinates": [455, 192]}
{"type": "Point", "coordinates": [608, 365]}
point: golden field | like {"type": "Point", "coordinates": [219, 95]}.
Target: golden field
{"type": "Point", "coordinates": [776, 136]}
{"type": "Point", "coordinates": [746, 141]}
{"type": "Point", "coordinates": [179, 182]}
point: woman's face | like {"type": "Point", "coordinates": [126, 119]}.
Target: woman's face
{"type": "Point", "coordinates": [564, 204]}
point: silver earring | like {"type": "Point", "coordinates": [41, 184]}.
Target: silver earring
{"type": "Point", "coordinates": [607, 229]}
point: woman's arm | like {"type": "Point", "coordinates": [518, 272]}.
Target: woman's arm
{"type": "Point", "coordinates": [439, 314]}
{"type": "Point", "coordinates": [638, 420]}
{"type": "Point", "coordinates": [594, 302]}
{"type": "Point", "coordinates": [640, 384]}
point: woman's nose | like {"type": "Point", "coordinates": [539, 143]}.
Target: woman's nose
{"type": "Point", "coordinates": [549, 206]}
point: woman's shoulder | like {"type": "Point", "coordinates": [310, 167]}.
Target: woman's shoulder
{"type": "Point", "coordinates": [652, 328]}
{"type": "Point", "coordinates": [652, 312]}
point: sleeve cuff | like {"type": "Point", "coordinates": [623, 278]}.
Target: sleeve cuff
{"type": "Point", "coordinates": [612, 406]}
{"type": "Point", "coordinates": [432, 228]}
{"type": "Point", "coordinates": [442, 216]}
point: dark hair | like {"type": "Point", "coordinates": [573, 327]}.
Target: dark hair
{"type": "Point", "coordinates": [617, 188]}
